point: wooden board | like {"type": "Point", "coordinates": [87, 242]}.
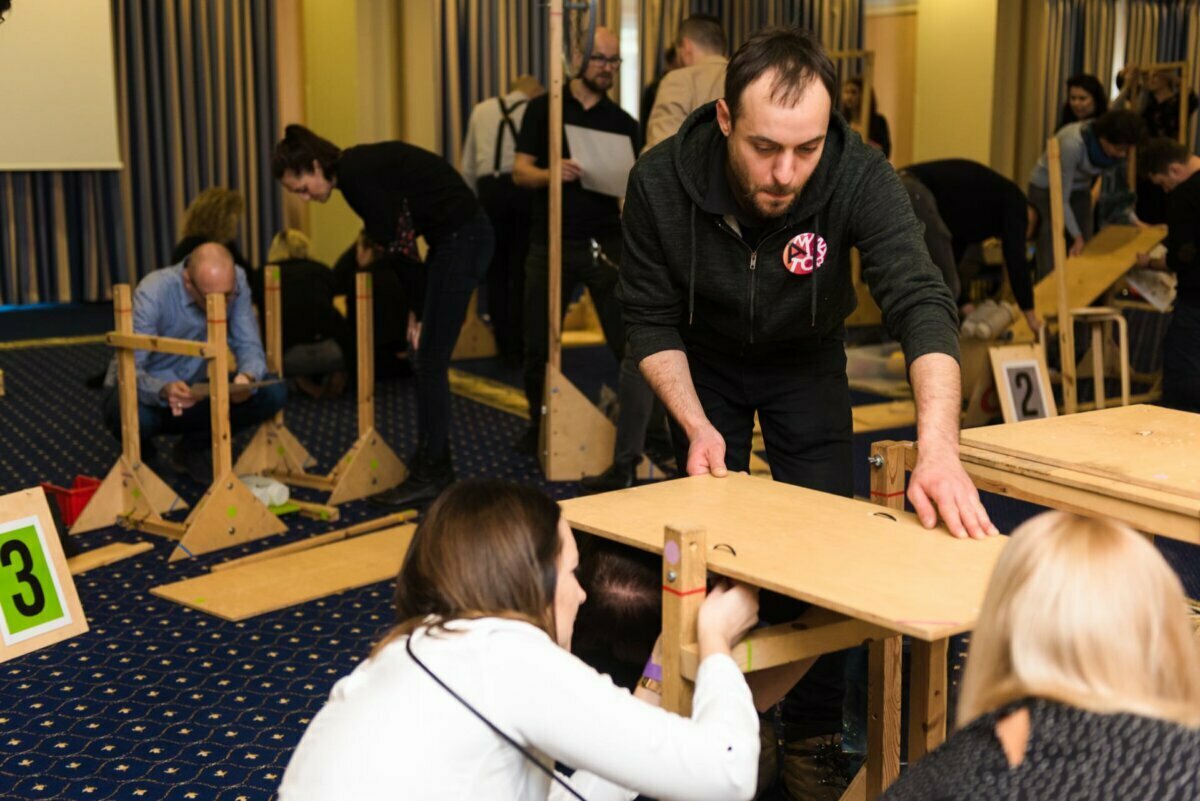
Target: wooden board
{"type": "Point", "coordinates": [127, 491]}
{"type": "Point", "coordinates": [106, 555]}
{"type": "Point", "coordinates": [475, 339]}
{"type": "Point", "coordinates": [841, 554]}
{"type": "Point", "coordinates": [38, 602]}
{"type": "Point", "coordinates": [1106, 257]}
{"type": "Point", "coordinates": [266, 586]}
{"type": "Point", "coordinates": [370, 466]}
{"type": "Point", "coordinates": [1147, 446]}
{"type": "Point", "coordinates": [228, 514]}
{"type": "Point", "coordinates": [575, 439]}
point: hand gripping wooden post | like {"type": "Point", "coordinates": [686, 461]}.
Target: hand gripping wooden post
{"type": "Point", "coordinates": [575, 438]}
{"type": "Point", "coordinates": [131, 489]}
{"type": "Point", "coordinates": [370, 466]}
{"type": "Point", "coordinates": [229, 513]}
{"type": "Point", "coordinates": [274, 448]}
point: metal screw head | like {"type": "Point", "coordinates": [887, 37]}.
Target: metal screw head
{"type": "Point", "coordinates": [875, 461]}
{"type": "Point", "coordinates": [672, 575]}
{"type": "Point", "coordinates": [232, 530]}
{"type": "Point", "coordinates": [229, 486]}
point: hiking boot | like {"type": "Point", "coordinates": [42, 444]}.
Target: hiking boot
{"type": "Point", "coordinates": [621, 475]}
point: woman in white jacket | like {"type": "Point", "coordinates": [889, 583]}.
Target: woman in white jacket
{"type": "Point", "coordinates": [475, 694]}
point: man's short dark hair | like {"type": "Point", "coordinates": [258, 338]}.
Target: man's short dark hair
{"type": "Point", "coordinates": [796, 57]}
{"type": "Point", "coordinates": [1157, 155]}
{"type": "Point", "coordinates": [706, 31]}
{"type": "Point", "coordinates": [299, 148]}
{"type": "Point", "coordinates": [5, 5]}
{"type": "Point", "coordinates": [1120, 127]}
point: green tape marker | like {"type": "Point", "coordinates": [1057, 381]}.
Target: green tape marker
{"type": "Point", "coordinates": [28, 597]}
{"type": "Point", "coordinates": [231, 512]}
{"type": "Point", "coordinates": [374, 465]}
{"type": "Point", "coordinates": [280, 451]}
{"type": "Point", "coordinates": [136, 493]}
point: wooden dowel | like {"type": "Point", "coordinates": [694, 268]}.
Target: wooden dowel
{"type": "Point", "coordinates": [365, 527]}
{"type": "Point", "coordinates": [1066, 323]}
{"type": "Point", "coordinates": [180, 347]}
{"type": "Point", "coordinates": [365, 322]}
{"type": "Point", "coordinates": [131, 441]}
{"type": "Point", "coordinates": [218, 381]}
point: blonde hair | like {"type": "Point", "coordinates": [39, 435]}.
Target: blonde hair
{"type": "Point", "coordinates": [288, 244]}
{"type": "Point", "coordinates": [214, 215]}
{"type": "Point", "coordinates": [1087, 613]}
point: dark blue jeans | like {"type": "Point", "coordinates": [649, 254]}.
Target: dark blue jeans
{"type": "Point", "coordinates": [195, 423]}
{"type": "Point", "coordinates": [1181, 357]}
{"type": "Point", "coordinates": [455, 266]}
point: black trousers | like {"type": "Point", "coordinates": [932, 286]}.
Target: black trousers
{"type": "Point", "coordinates": [508, 207]}
{"type": "Point", "coordinates": [1181, 357]}
{"type": "Point", "coordinates": [578, 267]}
{"type": "Point", "coordinates": [802, 398]}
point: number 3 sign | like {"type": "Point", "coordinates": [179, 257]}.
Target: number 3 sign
{"type": "Point", "coordinates": [38, 602]}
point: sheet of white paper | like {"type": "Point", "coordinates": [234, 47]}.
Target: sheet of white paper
{"type": "Point", "coordinates": [606, 159]}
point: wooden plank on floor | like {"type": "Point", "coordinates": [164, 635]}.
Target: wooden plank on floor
{"type": "Point", "coordinates": [105, 555]}
{"type": "Point", "coordinates": [267, 586]}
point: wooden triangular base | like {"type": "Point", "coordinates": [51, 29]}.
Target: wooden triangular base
{"type": "Point", "coordinates": [274, 449]}
{"type": "Point", "coordinates": [369, 467]}
{"type": "Point", "coordinates": [475, 340]}
{"type": "Point", "coordinates": [576, 439]}
{"type": "Point", "coordinates": [228, 514]}
{"type": "Point", "coordinates": [127, 492]}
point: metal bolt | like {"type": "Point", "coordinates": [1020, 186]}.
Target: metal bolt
{"type": "Point", "coordinates": [229, 486]}
{"type": "Point", "coordinates": [875, 461]}
{"type": "Point", "coordinates": [672, 575]}
{"type": "Point", "coordinates": [232, 530]}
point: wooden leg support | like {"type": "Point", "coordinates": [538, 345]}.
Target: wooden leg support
{"type": "Point", "coordinates": [128, 491]}
{"type": "Point", "coordinates": [683, 576]}
{"type": "Point", "coordinates": [926, 697]}
{"type": "Point", "coordinates": [883, 715]}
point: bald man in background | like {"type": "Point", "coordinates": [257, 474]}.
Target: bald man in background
{"type": "Point", "coordinates": [171, 302]}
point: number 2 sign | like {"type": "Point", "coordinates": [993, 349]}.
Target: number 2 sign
{"type": "Point", "coordinates": [38, 602]}
{"type": "Point", "coordinates": [1020, 373]}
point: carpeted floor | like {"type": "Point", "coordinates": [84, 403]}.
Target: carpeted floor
{"type": "Point", "coordinates": [160, 702]}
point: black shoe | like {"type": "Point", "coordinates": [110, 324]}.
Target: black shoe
{"type": "Point", "coordinates": [422, 486]}
{"type": "Point", "coordinates": [527, 443]}
{"type": "Point", "coordinates": [619, 476]}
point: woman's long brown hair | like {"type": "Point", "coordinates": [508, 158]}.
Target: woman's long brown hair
{"type": "Point", "coordinates": [486, 548]}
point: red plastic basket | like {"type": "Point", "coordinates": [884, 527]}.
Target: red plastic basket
{"type": "Point", "coordinates": [71, 501]}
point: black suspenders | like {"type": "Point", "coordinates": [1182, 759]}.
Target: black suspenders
{"type": "Point", "coordinates": [506, 122]}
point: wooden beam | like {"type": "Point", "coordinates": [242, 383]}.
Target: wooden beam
{"type": "Point", "coordinates": [365, 527]}
{"type": "Point", "coordinates": [365, 324]}
{"type": "Point", "coordinates": [883, 715]}
{"type": "Point", "coordinates": [683, 581]}
{"type": "Point", "coordinates": [131, 441]}
{"type": "Point", "coordinates": [554, 227]}
{"type": "Point", "coordinates": [1066, 325]}
{"type": "Point", "coordinates": [817, 632]}
{"type": "Point", "coordinates": [218, 382]}
{"type": "Point", "coordinates": [132, 341]}
{"type": "Point", "coordinates": [926, 697]}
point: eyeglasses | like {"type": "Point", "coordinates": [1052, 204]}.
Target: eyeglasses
{"type": "Point", "coordinates": [612, 61]}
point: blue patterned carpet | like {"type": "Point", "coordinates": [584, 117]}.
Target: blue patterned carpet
{"type": "Point", "coordinates": [160, 702]}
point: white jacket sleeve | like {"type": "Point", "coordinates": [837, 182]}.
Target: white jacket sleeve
{"type": "Point", "coordinates": [571, 713]}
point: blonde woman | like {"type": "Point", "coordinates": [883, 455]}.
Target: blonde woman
{"type": "Point", "coordinates": [213, 216]}
{"type": "Point", "coordinates": [1083, 680]}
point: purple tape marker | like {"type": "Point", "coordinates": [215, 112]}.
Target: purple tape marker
{"type": "Point", "coordinates": [671, 552]}
{"type": "Point", "coordinates": [652, 671]}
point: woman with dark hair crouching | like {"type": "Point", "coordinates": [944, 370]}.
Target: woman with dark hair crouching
{"type": "Point", "coordinates": [475, 693]}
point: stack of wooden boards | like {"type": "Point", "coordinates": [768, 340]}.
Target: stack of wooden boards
{"type": "Point", "coordinates": [299, 572]}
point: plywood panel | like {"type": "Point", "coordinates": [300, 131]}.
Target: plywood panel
{"type": "Point", "coordinates": [1146, 446]}
{"type": "Point", "coordinates": [255, 589]}
{"type": "Point", "coordinates": [1106, 257]}
{"type": "Point", "coordinates": [845, 555]}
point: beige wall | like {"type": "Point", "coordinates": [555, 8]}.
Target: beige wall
{"type": "Point", "coordinates": [419, 72]}
{"type": "Point", "coordinates": [956, 72]}
{"type": "Point", "coordinates": [892, 34]}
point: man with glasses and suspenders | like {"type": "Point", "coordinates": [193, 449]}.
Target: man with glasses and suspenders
{"type": "Point", "coordinates": [486, 166]}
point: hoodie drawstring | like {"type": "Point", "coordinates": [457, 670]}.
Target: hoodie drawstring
{"type": "Point", "coordinates": [692, 266]}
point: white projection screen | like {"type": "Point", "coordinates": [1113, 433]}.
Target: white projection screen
{"type": "Point", "coordinates": [58, 107]}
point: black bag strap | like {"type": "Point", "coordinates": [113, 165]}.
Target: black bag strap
{"type": "Point", "coordinates": [506, 123]}
{"type": "Point", "coordinates": [524, 752]}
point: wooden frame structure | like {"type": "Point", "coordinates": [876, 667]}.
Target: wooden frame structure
{"type": "Point", "coordinates": [575, 438]}
{"type": "Point", "coordinates": [370, 466]}
{"type": "Point", "coordinates": [762, 527]}
{"type": "Point", "coordinates": [1075, 282]}
{"type": "Point", "coordinates": [132, 495]}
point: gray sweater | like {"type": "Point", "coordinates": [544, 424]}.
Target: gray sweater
{"type": "Point", "coordinates": [688, 277]}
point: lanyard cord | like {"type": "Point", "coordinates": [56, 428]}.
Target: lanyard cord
{"type": "Point", "coordinates": [548, 771]}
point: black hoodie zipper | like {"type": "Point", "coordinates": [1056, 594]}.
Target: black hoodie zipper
{"type": "Point", "coordinates": [721, 224]}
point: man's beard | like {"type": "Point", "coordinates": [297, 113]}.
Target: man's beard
{"type": "Point", "coordinates": [591, 84]}
{"type": "Point", "coordinates": [746, 194]}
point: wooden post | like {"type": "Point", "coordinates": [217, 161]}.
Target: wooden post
{"type": "Point", "coordinates": [365, 321]}
{"type": "Point", "coordinates": [273, 324]}
{"type": "Point", "coordinates": [131, 442]}
{"type": "Point", "coordinates": [864, 111]}
{"type": "Point", "coordinates": [1066, 324]}
{"type": "Point", "coordinates": [554, 226]}
{"type": "Point", "coordinates": [1098, 363]}
{"type": "Point", "coordinates": [887, 473]}
{"type": "Point", "coordinates": [218, 382]}
{"type": "Point", "coordinates": [883, 715]}
{"type": "Point", "coordinates": [926, 697]}
{"type": "Point", "coordinates": [683, 582]}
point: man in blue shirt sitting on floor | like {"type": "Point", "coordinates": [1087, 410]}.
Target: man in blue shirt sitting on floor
{"type": "Point", "coordinates": [171, 303]}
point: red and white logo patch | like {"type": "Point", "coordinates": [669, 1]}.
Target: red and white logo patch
{"type": "Point", "coordinates": [804, 253]}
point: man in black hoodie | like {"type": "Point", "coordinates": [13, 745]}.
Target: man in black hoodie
{"type": "Point", "coordinates": [736, 283]}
